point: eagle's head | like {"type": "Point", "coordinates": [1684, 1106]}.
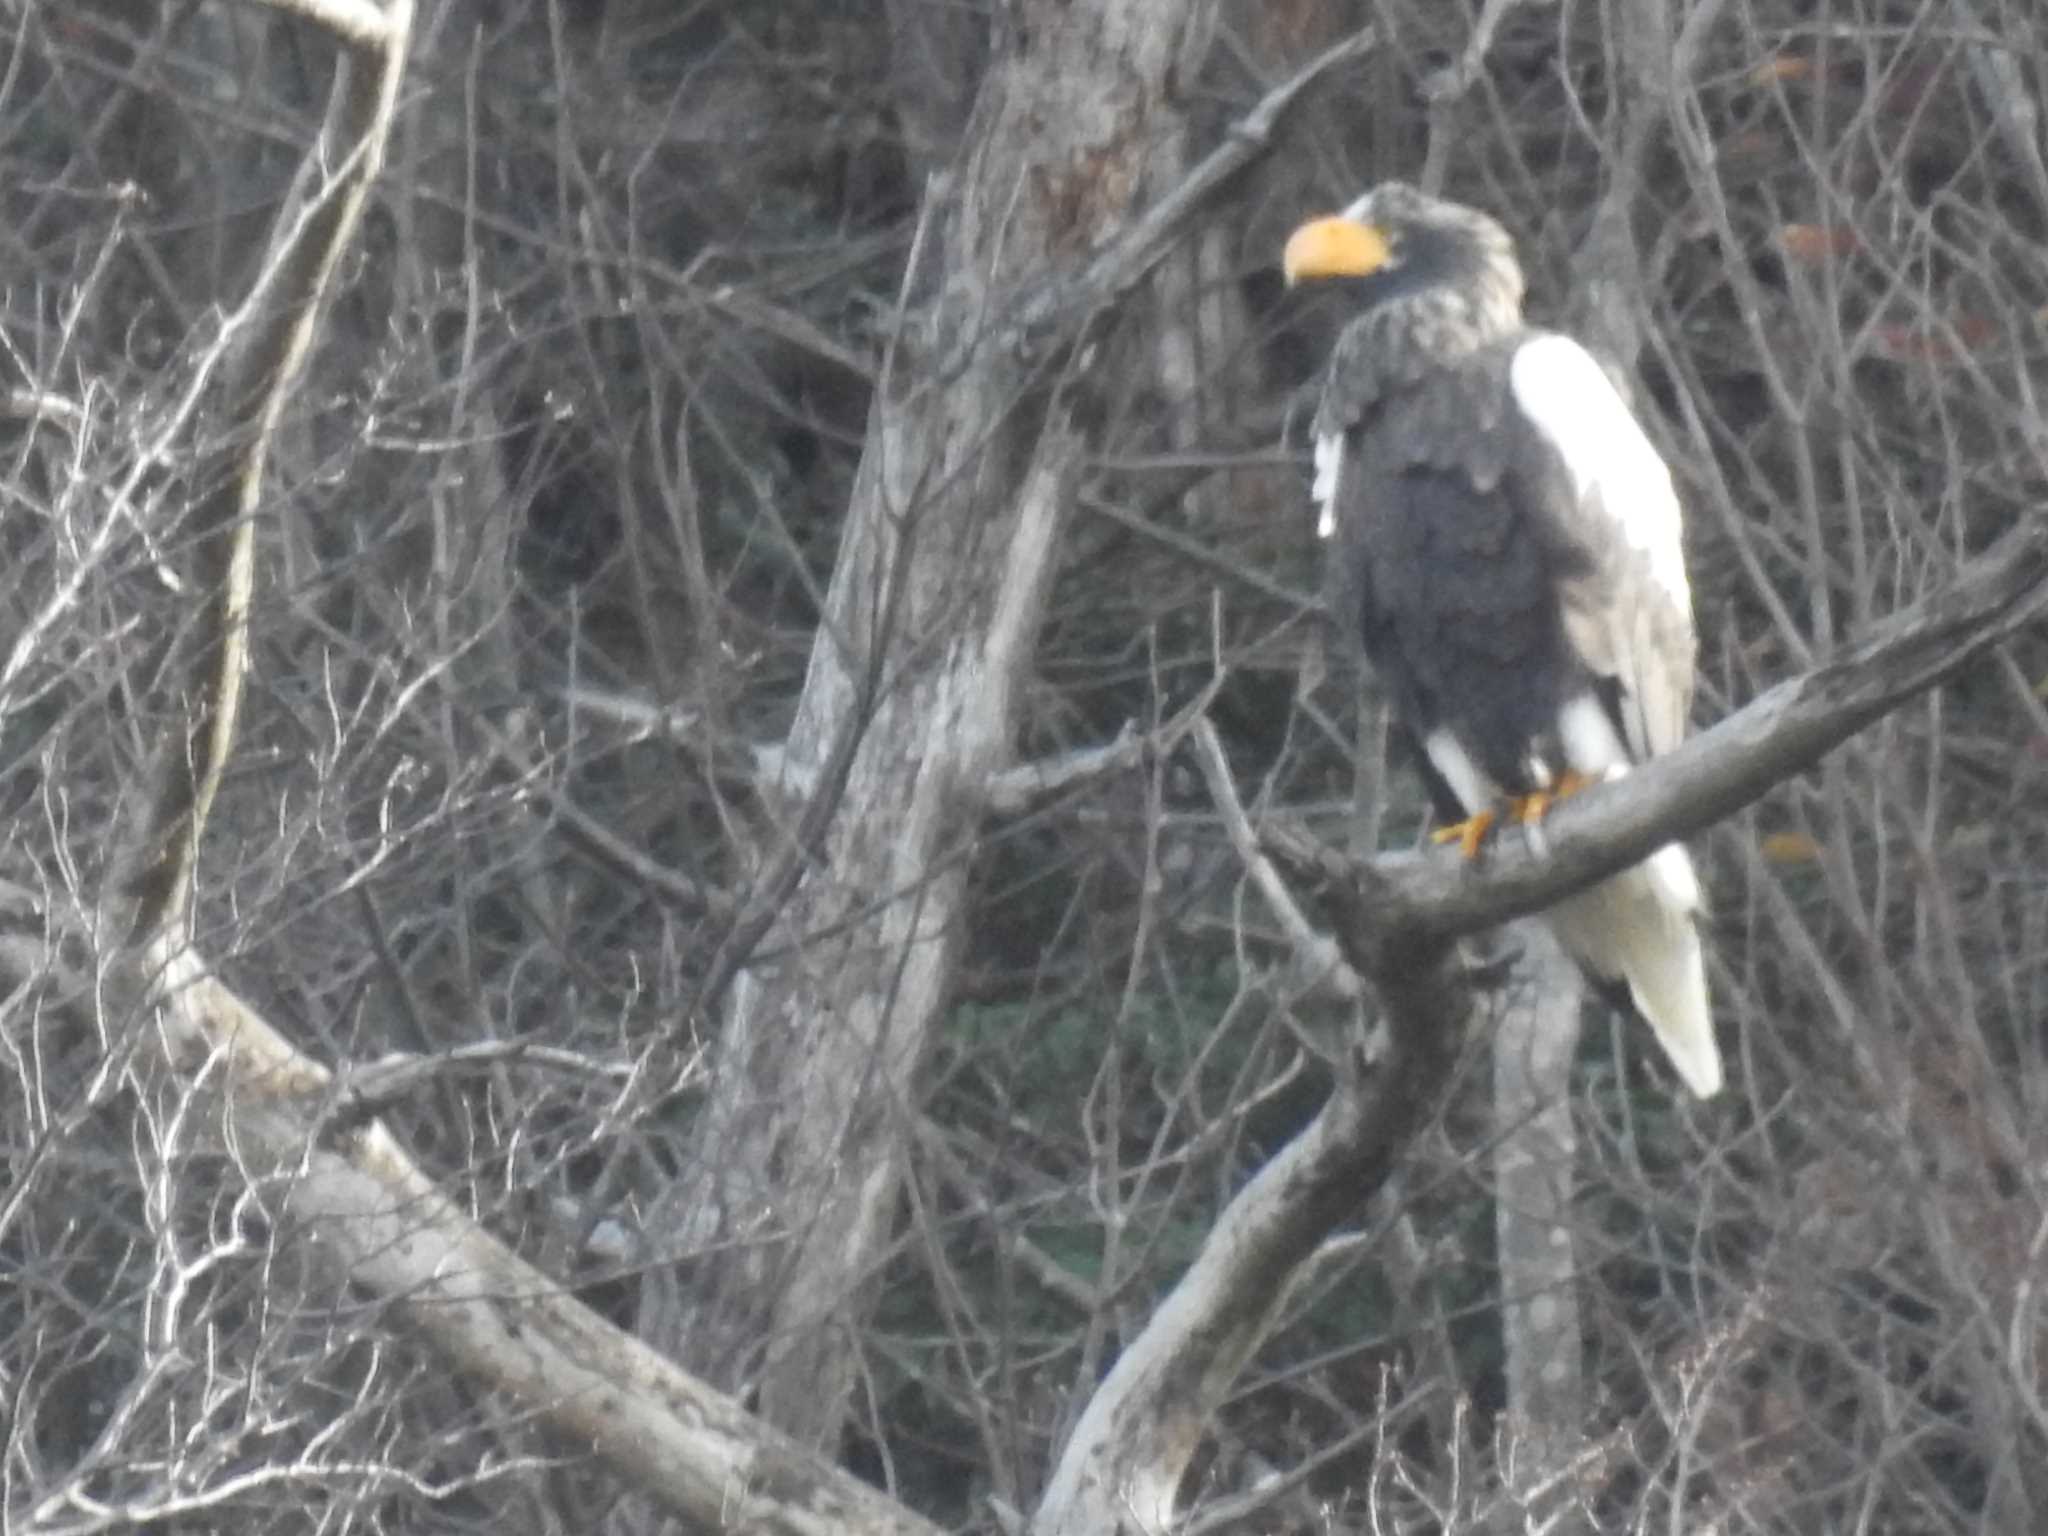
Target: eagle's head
{"type": "Point", "coordinates": [1397, 244]}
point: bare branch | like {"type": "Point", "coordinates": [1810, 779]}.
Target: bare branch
{"type": "Point", "coordinates": [1317, 952]}
{"type": "Point", "coordinates": [1456, 78]}
{"type": "Point", "coordinates": [1397, 920]}
{"type": "Point", "coordinates": [1011, 791]}
{"type": "Point", "coordinates": [1127, 1454]}
{"type": "Point", "coordinates": [1014, 790]}
{"type": "Point", "coordinates": [366, 1091]}
{"type": "Point", "coordinates": [1126, 260]}
{"type": "Point", "coordinates": [276, 325]}
{"type": "Point", "coordinates": [488, 1311]}
{"type": "Point", "coordinates": [1725, 768]}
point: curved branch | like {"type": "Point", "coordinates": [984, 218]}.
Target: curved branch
{"type": "Point", "coordinates": [268, 337]}
{"type": "Point", "coordinates": [353, 1188]}
{"type": "Point", "coordinates": [347, 1180]}
{"type": "Point", "coordinates": [1397, 919]}
{"type": "Point", "coordinates": [1128, 1453]}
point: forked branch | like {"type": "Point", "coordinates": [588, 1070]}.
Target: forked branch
{"type": "Point", "coordinates": [1397, 919]}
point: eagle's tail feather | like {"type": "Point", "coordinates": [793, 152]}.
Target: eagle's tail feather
{"type": "Point", "coordinates": [1640, 928]}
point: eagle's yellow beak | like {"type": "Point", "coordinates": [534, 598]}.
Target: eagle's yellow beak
{"type": "Point", "coordinates": [1335, 247]}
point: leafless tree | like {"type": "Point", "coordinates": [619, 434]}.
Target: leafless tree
{"type": "Point", "coordinates": [688, 848]}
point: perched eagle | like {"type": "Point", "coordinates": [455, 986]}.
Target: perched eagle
{"type": "Point", "coordinates": [1510, 542]}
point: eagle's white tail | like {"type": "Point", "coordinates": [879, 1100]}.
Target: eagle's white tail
{"type": "Point", "coordinates": [1641, 928]}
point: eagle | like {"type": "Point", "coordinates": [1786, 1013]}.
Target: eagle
{"type": "Point", "coordinates": [1510, 546]}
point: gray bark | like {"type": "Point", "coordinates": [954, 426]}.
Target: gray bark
{"type": "Point", "coordinates": [971, 460]}
{"type": "Point", "coordinates": [1123, 1465]}
{"type": "Point", "coordinates": [349, 1187]}
{"type": "Point", "coordinates": [1533, 1179]}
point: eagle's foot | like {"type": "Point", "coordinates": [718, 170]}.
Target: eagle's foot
{"type": "Point", "coordinates": [1523, 810]}
{"type": "Point", "coordinates": [1527, 810]}
{"type": "Point", "coordinates": [1469, 833]}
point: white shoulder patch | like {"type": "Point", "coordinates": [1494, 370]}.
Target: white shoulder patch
{"type": "Point", "coordinates": [1569, 398]}
{"type": "Point", "coordinates": [1329, 454]}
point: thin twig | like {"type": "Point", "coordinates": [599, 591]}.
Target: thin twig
{"type": "Point", "coordinates": [273, 334]}
{"type": "Point", "coordinates": [1319, 954]}
{"type": "Point", "coordinates": [1050, 314]}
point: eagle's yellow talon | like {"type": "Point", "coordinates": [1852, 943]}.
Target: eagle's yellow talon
{"type": "Point", "coordinates": [1467, 834]}
{"type": "Point", "coordinates": [1525, 810]}
{"type": "Point", "coordinates": [1522, 810]}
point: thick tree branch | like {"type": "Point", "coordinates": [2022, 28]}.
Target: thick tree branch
{"type": "Point", "coordinates": [1397, 920]}
{"type": "Point", "coordinates": [1132, 1446]}
{"type": "Point", "coordinates": [354, 1189]}
{"type": "Point", "coordinates": [1725, 768]}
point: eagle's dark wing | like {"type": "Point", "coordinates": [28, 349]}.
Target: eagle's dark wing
{"type": "Point", "coordinates": [1451, 570]}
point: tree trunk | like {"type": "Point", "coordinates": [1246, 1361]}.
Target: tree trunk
{"type": "Point", "coordinates": [972, 452]}
{"type": "Point", "coordinates": [1533, 1178]}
